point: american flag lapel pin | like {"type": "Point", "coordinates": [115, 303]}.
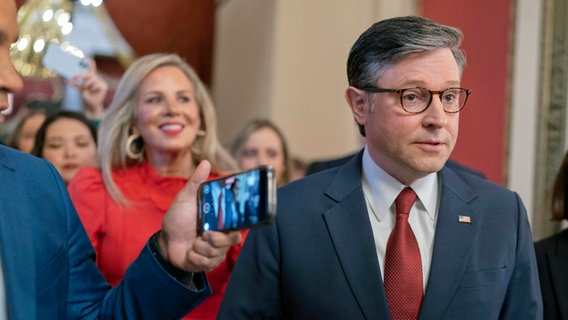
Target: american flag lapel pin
{"type": "Point", "coordinates": [464, 219]}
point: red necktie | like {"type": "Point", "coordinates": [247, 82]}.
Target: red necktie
{"type": "Point", "coordinates": [403, 265]}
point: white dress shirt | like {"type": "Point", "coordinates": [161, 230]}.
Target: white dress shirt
{"type": "Point", "coordinates": [380, 191]}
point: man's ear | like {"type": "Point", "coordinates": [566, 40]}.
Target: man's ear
{"type": "Point", "coordinates": [358, 101]}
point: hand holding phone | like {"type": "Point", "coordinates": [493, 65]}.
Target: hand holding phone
{"type": "Point", "coordinates": [238, 201]}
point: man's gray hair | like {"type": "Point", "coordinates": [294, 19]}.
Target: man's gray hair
{"type": "Point", "coordinates": [388, 41]}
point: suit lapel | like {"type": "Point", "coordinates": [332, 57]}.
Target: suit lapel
{"type": "Point", "coordinates": [16, 243]}
{"type": "Point", "coordinates": [557, 261]}
{"type": "Point", "coordinates": [452, 243]}
{"type": "Point", "coordinates": [350, 230]}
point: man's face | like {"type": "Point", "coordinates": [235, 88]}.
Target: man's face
{"type": "Point", "coordinates": [10, 81]}
{"type": "Point", "coordinates": [410, 146]}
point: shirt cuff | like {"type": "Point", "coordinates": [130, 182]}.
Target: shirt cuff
{"type": "Point", "coordinates": [180, 275]}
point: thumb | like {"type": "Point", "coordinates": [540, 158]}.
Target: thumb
{"type": "Point", "coordinates": [182, 212]}
{"type": "Point", "coordinates": [199, 176]}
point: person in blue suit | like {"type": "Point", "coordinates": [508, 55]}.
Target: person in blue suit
{"type": "Point", "coordinates": [211, 205]}
{"type": "Point", "coordinates": [324, 256]}
{"type": "Point", "coordinates": [229, 207]}
{"type": "Point", "coordinates": [47, 261]}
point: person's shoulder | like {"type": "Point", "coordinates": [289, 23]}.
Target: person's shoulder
{"type": "Point", "coordinates": [335, 183]}
{"type": "Point", "coordinates": [88, 179]}
{"type": "Point", "coordinates": [471, 185]}
{"type": "Point", "coordinates": [464, 169]}
{"type": "Point", "coordinates": [322, 165]}
{"type": "Point", "coordinates": [27, 172]}
{"type": "Point", "coordinates": [315, 186]}
{"type": "Point", "coordinates": [319, 178]}
{"type": "Point", "coordinates": [11, 157]}
{"type": "Point", "coordinates": [550, 243]}
{"type": "Point", "coordinates": [89, 172]}
{"type": "Point", "coordinates": [26, 165]}
{"type": "Point", "coordinates": [465, 174]}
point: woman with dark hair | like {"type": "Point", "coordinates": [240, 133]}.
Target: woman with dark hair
{"type": "Point", "coordinates": [23, 136]}
{"type": "Point", "coordinates": [552, 253]}
{"type": "Point", "coordinates": [68, 140]}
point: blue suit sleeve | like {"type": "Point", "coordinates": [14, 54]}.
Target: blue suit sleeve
{"type": "Point", "coordinates": [147, 291]}
{"type": "Point", "coordinates": [523, 299]}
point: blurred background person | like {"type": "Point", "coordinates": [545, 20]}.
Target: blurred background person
{"type": "Point", "coordinates": [23, 136]}
{"type": "Point", "coordinates": [235, 189]}
{"type": "Point", "coordinates": [93, 90]}
{"type": "Point", "coordinates": [68, 140]}
{"type": "Point", "coordinates": [552, 253]}
{"type": "Point", "coordinates": [160, 124]}
{"type": "Point", "coordinates": [298, 169]}
{"type": "Point", "coordinates": [261, 142]}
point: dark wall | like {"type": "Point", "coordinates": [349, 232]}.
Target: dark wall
{"type": "Point", "coordinates": [185, 27]}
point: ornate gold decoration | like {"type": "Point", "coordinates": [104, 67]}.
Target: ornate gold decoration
{"type": "Point", "coordinates": [41, 22]}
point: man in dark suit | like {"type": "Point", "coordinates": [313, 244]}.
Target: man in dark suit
{"type": "Point", "coordinates": [47, 261]}
{"type": "Point", "coordinates": [394, 233]}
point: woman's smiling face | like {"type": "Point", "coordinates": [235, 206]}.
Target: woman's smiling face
{"type": "Point", "coordinates": [168, 116]}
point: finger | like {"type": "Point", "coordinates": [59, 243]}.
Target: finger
{"type": "Point", "coordinates": [75, 81]}
{"type": "Point", "coordinates": [221, 239]}
{"type": "Point", "coordinates": [205, 249]}
{"type": "Point", "coordinates": [200, 263]}
{"type": "Point", "coordinates": [92, 65]}
{"type": "Point", "coordinates": [86, 84]}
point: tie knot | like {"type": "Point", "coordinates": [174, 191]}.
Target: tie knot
{"type": "Point", "coordinates": [405, 200]}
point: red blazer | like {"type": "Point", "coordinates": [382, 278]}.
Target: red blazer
{"type": "Point", "coordinates": [118, 232]}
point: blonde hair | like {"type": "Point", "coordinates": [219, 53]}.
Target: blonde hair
{"type": "Point", "coordinates": [253, 126]}
{"type": "Point", "coordinates": [116, 126]}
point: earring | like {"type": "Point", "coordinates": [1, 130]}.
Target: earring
{"type": "Point", "coordinates": [129, 144]}
{"type": "Point", "coordinates": [201, 133]}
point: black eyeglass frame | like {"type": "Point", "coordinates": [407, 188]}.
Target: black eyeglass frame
{"type": "Point", "coordinates": [432, 93]}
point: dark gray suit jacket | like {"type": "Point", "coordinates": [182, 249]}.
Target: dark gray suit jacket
{"type": "Point", "coordinates": [318, 260]}
{"type": "Point", "coordinates": [552, 258]}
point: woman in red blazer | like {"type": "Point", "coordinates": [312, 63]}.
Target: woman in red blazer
{"type": "Point", "coordinates": [159, 126]}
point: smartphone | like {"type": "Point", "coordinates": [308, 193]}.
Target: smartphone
{"type": "Point", "coordinates": [243, 200]}
{"type": "Point", "coordinates": [67, 61]}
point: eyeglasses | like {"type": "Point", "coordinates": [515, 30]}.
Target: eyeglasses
{"type": "Point", "coordinates": [417, 100]}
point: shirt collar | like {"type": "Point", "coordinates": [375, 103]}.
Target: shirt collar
{"type": "Point", "coordinates": [383, 189]}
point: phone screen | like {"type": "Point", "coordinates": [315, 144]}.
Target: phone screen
{"type": "Point", "coordinates": [238, 201]}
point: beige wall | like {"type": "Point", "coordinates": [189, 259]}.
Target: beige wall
{"type": "Point", "coordinates": [524, 103]}
{"type": "Point", "coordinates": [242, 66]}
{"type": "Point", "coordinates": [285, 60]}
